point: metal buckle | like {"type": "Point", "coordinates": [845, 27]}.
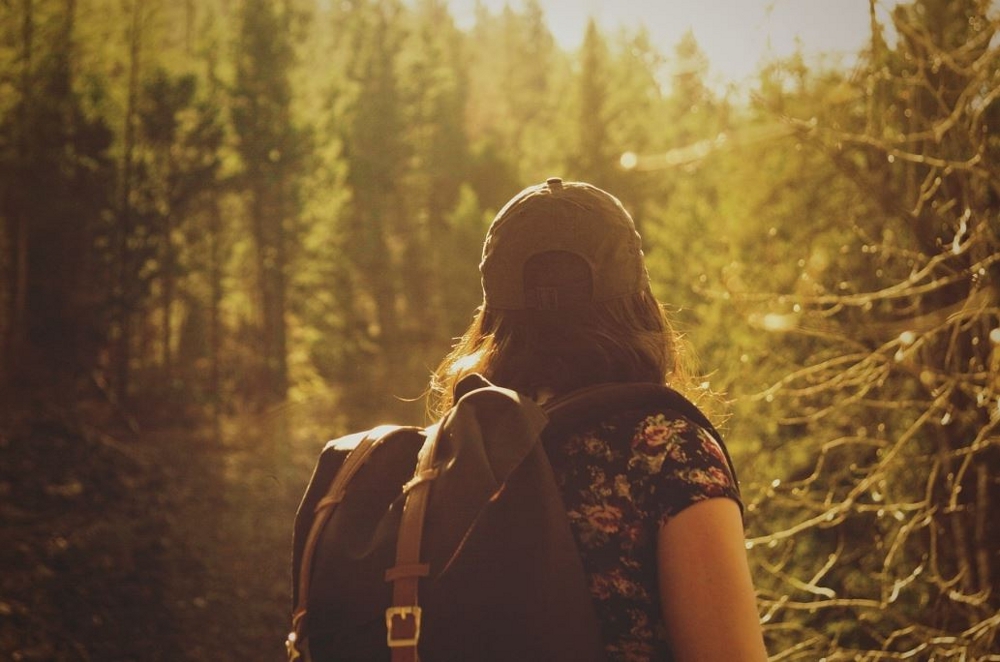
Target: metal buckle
{"type": "Point", "coordinates": [292, 648]}
{"type": "Point", "coordinates": [402, 612]}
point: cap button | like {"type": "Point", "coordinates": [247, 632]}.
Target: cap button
{"type": "Point", "coordinates": [554, 182]}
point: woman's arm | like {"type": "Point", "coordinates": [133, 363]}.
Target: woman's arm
{"type": "Point", "coordinates": [708, 599]}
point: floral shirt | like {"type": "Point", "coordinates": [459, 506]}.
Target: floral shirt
{"type": "Point", "coordinates": [621, 481]}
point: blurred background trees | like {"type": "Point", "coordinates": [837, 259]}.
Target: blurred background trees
{"type": "Point", "coordinates": [235, 214]}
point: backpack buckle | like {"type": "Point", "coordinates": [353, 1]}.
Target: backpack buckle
{"type": "Point", "coordinates": [391, 624]}
{"type": "Point", "coordinates": [292, 647]}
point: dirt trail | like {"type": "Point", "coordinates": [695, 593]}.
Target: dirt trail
{"type": "Point", "coordinates": [230, 520]}
{"type": "Point", "coordinates": [166, 545]}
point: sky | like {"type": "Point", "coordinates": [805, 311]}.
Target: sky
{"type": "Point", "coordinates": [736, 35]}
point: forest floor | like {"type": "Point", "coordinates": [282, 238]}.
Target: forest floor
{"type": "Point", "coordinates": [140, 542]}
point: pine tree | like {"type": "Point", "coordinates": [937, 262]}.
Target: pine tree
{"type": "Point", "coordinates": [55, 188]}
{"type": "Point", "coordinates": [180, 137]}
{"type": "Point", "coordinates": [271, 149]}
{"type": "Point", "coordinates": [434, 99]}
{"type": "Point", "coordinates": [593, 158]}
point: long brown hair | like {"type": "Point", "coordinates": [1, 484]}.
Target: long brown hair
{"type": "Point", "coordinates": [624, 340]}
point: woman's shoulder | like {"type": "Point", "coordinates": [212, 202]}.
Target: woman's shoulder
{"type": "Point", "coordinates": [656, 433]}
{"type": "Point", "coordinates": [685, 462]}
{"type": "Point", "coordinates": [651, 430]}
{"type": "Point", "coordinates": [666, 455]}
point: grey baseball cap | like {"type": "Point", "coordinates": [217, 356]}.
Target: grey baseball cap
{"type": "Point", "coordinates": [560, 218]}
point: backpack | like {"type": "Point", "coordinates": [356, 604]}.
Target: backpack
{"type": "Point", "coordinates": [453, 540]}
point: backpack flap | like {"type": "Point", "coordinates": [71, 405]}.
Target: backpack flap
{"type": "Point", "coordinates": [506, 580]}
{"type": "Point", "coordinates": [488, 433]}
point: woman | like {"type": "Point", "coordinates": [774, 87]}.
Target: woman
{"type": "Point", "coordinates": [653, 506]}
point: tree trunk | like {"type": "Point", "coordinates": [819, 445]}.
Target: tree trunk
{"type": "Point", "coordinates": [17, 335]}
{"type": "Point", "coordinates": [265, 210]}
{"type": "Point", "coordinates": [214, 329]}
{"type": "Point", "coordinates": [123, 289]}
{"type": "Point", "coordinates": [169, 282]}
{"type": "Point", "coordinates": [17, 331]}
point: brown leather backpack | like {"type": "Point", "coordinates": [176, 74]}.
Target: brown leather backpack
{"type": "Point", "coordinates": [452, 542]}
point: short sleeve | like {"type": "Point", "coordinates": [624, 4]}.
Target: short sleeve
{"type": "Point", "coordinates": [620, 480]}
{"type": "Point", "coordinates": [680, 463]}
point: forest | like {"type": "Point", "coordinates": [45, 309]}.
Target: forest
{"type": "Point", "coordinates": [233, 229]}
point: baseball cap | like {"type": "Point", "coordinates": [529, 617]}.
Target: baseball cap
{"type": "Point", "coordinates": [561, 245]}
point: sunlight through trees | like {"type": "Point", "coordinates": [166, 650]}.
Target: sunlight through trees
{"type": "Point", "coordinates": [272, 210]}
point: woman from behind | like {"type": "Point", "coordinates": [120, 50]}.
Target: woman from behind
{"type": "Point", "coordinates": [652, 503]}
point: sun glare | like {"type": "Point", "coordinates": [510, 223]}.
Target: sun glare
{"type": "Point", "coordinates": [736, 35]}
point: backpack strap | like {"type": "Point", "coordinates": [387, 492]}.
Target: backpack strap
{"type": "Point", "coordinates": [296, 643]}
{"type": "Point", "coordinates": [402, 618]}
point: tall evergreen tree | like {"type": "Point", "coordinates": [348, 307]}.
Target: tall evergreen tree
{"type": "Point", "coordinates": [181, 137]}
{"type": "Point", "coordinates": [55, 187]}
{"type": "Point", "coordinates": [593, 157]}
{"type": "Point", "coordinates": [434, 93]}
{"type": "Point", "coordinates": [516, 103]}
{"type": "Point", "coordinates": [271, 149]}
{"type": "Point", "coordinates": [368, 123]}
